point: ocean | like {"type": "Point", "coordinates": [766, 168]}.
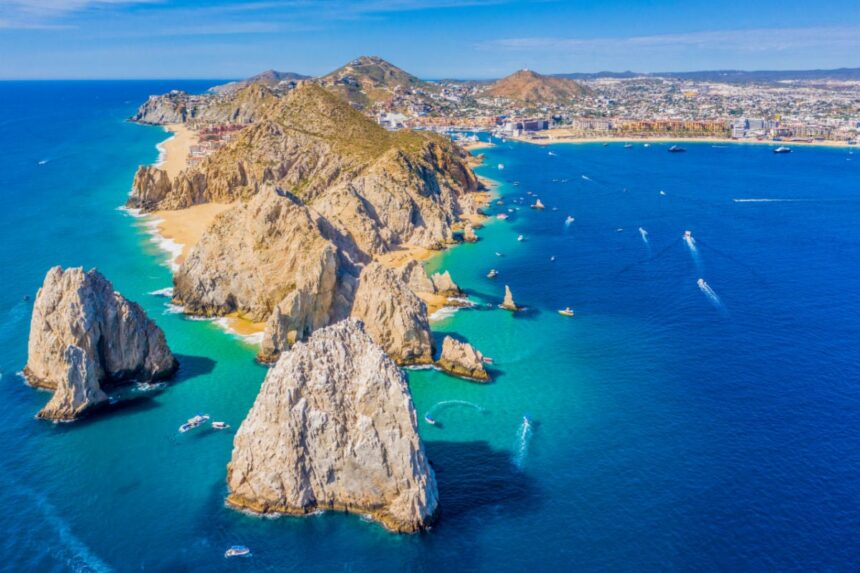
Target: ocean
{"type": "Point", "coordinates": [675, 425]}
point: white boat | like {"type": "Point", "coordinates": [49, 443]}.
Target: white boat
{"type": "Point", "coordinates": [782, 149]}
{"type": "Point", "coordinates": [628, 145]}
{"type": "Point", "coordinates": [538, 205]}
{"type": "Point", "coordinates": [566, 312]}
{"type": "Point", "coordinates": [501, 166]}
{"type": "Point", "coordinates": [702, 284]}
{"type": "Point", "coordinates": [521, 238]}
{"type": "Point", "coordinates": [237, 551]}
{"type": "Point", "coordinates": [569, 220]}
{"type": "Point", "coordinates": [647, 145]}
{"type": "Point", "coordinates": [492, 274]}
{"type": "Point", "coordinates": [550, 153]}
{"type": "Point", "coordinates": [552, 258]}
{"type": "Point", "coordinates": [662, 193]}
{"type": "Point", "coordinates": [688, 235]}
{"type": "Point", "coordinates": [498, 254]}
{"type": "Point", "coordinates": [430, 419]}
{"type": "Point", "coordinates": [501, 216]}
{"type": "Point", "coordinates": [220, 425]}
{"type": "Point", "coordinates": [194, 422]}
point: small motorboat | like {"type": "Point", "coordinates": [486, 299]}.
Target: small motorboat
{"type": "Point", "coordinates": [492, 274]}
{"type": "Point", "coordinates": [647, 145]}
{"type": "Point", "coordinates": [498, 254]}
{"type": "Point", "coordinates": [552, 259]}
{"type": "Point", "coordinates": [237, 551]}
{"type": "Point", "coordinates": [500, 202]}
{"type": "Point", "coordinates": [220, 425]}
{"type": "Point", "coordinates": [662, 193]}
{"type": "Point", "coordinates": [676, 149]}
{"type": "Point", "coordinates": [782, 149]}
{"type": "Point", "coordinates": [566, 312]}
{"type": "Point", "coordinates": [569, 220]}
{"type": "Point", "coordinates": [487, 360]}
{"type": "Point", "coordinates": [430, 419]}
{"type": "Point", "coordinates": [538, 205]}
{"type": "Point", "coordinates": [194, 422]}
{"type": "Point", "coordinates": [688, 235]}
{"type": "Point", "coordinates": [551, 154]}
{"type": "Point", "coordinates": [521, 238]}
{"type": "Point", "coordinates": [702, 284]}
{"type": "Point", "coordinates": [501, 216]}
{"type": "Point", "coordinates": [501, 166]}
{"type": "Point", "coordinates": [516, 183]}
{"type": "Point", "coordinates": [628, 146]}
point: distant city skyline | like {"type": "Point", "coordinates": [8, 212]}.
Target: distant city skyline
{"type": "Point", "coordinates": [480, 39]}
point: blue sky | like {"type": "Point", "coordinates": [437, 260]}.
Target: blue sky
{"type": "Point", "coordinates": [432, 39]}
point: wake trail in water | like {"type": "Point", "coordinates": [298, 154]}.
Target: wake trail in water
{"type": "Point", "coordinates": [587, 178]}
{"type": "Point", "coordinates": [711, 295]}
{"type": "Point", "coordinates": [694, 251]}
{"type": "Point", "coordinates": [71, 549]}
{"type": "Point", "coordinates": [450, 404]}
{"type": "Point", "coordinates": [521, 447]}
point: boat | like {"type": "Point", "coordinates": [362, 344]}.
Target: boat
{"type": "Point", "coordinates": [550, 153]}
{"type": "Point", "coordinates": [220, 425]}
{"type": "Point", "coordinates": [569, 220]}
{"type": "Point", "coordinates": [237, 551]}
{"type": "Point", "coordinates": [527, 421]}
{"type": "Point", "coordinates": [662, 193]}
{"type": "Point", "coordinates": [566, 312]}
{"type": "Point", "coordinates": [194, 422]}
{"type": "Point", "coordinates": [688, 235]}
{"type": "Point", "coordinates": [702, 284]}
{"type": "Point", "coordinates": [430, 419]}
{"type": "Point", "coordinates": [516, 184]}
{"type": "Point", "coordinates": [647, 145]}
{"type": "Point", "coordinates": [501, 216]}
{"type": "Point", "coordinates": [676, 149]}
{"type": "Point", "coordinates": [521, 238]}
{"type": "Point", "coordinates": [538, 205]}
{"type": "Point", "coordinates": [782, 149]}
{"type": "Point", "coordinates": [628, 145]}
{"type": "Point", "coordinates": [487, 360]}
{"type": "Point", "coordinates": [492, 274]}
{"type": "Point", "coordinates": [498, 254]}
{"type": "Point", "coordinates": [500, 202]}
{"type": "Point", "coordinates": [501, 166]}
{"type": "Point", "coordinates": [552, 258]}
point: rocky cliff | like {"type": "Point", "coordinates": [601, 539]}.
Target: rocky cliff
{"type": "Point", "coordinates": [240, 106]}
{"type": "Point", "coordinates": [84, 335]}
{"type": "Point", "coordinates": [320, 189]}
{"type": "Point", "coordinates": [334, 428]}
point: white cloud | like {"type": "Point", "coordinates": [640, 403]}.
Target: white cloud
{"type": "Point", "coordinates": [752, 40]}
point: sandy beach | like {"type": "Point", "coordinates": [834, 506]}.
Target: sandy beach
{"type": "Point", "coordinates": [554, 136]}
{"type": "Point", "coordinates": [185, 226]}
{"type": "Point", "coordinates": [176, 149]}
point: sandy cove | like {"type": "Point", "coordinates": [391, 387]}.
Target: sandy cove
{"type": "Point", "coordinates": [177, 231]}
{"type": "Point", "coordinates": [565, 136]}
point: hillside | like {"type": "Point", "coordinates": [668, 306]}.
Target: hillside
{"type": "Point", "coordinates": [531, 88]}
{"type": "Point", "coordinates": [272, 79]}
{"type": "Point", "coordinates": [370, 80]}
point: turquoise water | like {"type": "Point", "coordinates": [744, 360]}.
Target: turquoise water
{"type": "Point", "coordinates": [669, 433]}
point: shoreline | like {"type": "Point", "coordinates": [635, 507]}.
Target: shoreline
{"type": "Point", "coordinates": [565, 138]}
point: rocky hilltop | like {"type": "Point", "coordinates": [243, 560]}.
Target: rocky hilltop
{"type": "Point", "coordinates": [334, 428]}
{"type": "Point", "coordinates": [84, 335]}
{"type": "Point", "coordinates": [320, 190]}
{"type": "Point", "coordinates": [272, 79]}
{"type": "Point", "coordinates": [370, 80]}
{"type": "Point", "coordinates": [532, 88]}
{"type": "Point", "coordinates": [240, 106]}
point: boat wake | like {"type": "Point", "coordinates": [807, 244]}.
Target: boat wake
{"type": "Point", "coordinates": [644, 234]}
{"type": "Point", "coordinates": [694, 251]}
{"type": "Point", "coordinates": [524, 437]}
{"type": "Point", "coordinates": [710, 294]}
{"type": "Point", "coordinates": [165, 292]}
{"type": "Point", "coordinates": [767, 200]}
{"type": "Point", "coordinates": [439, 406]}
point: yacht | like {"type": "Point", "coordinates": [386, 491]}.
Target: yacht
{"type": "Point", "coordinates": [688, 235]}
{"type": "Point", "coordinates": [492, 274]}
{"type": "Point", "coordinates": [628, 145]}
{"type": "Point", "coordinates": [220, 425]}
{"type": "Point", "coordinates": [501, 216]}
{"type": "Point", "coordinates": [237, 551]}
{"type": "Point", "coordinates": [430, 419]}
{"type": "Point", "coordinates": [501, 166]}
{"type": "Point", "coordinates": [782, 149]}
{"type": "Point", "coordinates": [566, 312]}
{"type": "Point", "coordinates": [521, 238]}
{"type": "Point", "coordinates": [194, 422]}
{"type": "Point", "coordinates": [569, 220]}
{"type": "Point", "coordinates": [676, 149]}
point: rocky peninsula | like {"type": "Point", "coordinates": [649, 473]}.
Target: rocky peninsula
{"type": "Point", "coordinates": [334, 428]}
{"type": "Point", "coordinates": [316, 192]}
{"type": "Point", "coordinates": [84, 336]}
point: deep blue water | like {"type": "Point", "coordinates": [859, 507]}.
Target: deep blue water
{"type": "Point", "coordinates": [671, 432]}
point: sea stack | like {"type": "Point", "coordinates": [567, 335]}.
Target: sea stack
{"type": "Point", "coordinates": [508, 303]}
{"type": "Point", "coordinates": [84, 336]}
{"type": "Point", "coordinates": [444, 285]}
{"type": "Point", "coordinates": [462, 359]}
{"type": "Point", "coordinates": [334, 428]}
{"type": "Point", "coordinates": [469, 234]}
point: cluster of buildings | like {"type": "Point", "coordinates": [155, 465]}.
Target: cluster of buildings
{"type": "Point", "coordinates": [210, 138]}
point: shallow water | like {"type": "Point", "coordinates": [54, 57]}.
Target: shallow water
{"type": "Point", "coordinates": [666, 433]}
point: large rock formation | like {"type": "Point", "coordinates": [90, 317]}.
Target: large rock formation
{"type": "Point", "coordinates": [239, 106]}
{"type": "Point", "coordinates": [321, 189]}
{"type": "Point", "coordinates": [84, 335]}
{"type": "Point", "coordinates": [462, 359]}
{"type": "Point", "coordinates": [444, 285]}
{"type": "Point", "coordinates": [394, 317]}
{"type": "Point", "coordinates": [334, 428]}
{"type": "Point", "coordinates": [508, 303]}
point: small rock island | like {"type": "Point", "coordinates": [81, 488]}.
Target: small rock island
{"type": "Point", "coordinates": [462, 359]}
{"type": "Point", "coordinates": [84, 336]}
{"type": "Point", "coordinates": [334, 428]}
